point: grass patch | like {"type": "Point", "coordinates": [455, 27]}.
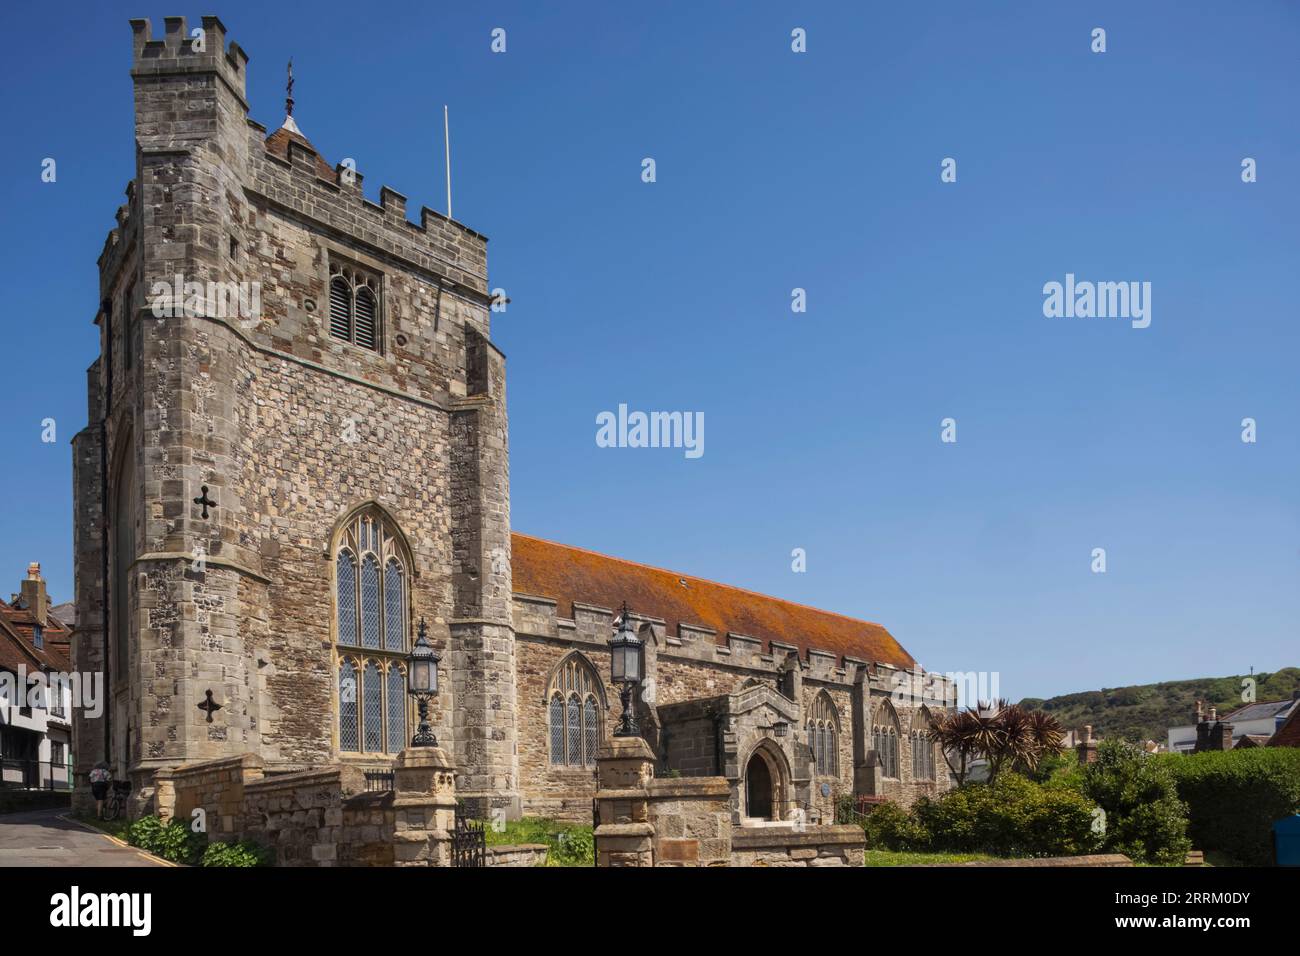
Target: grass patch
{"type": "Point", "coordinates": [569, 844]}
{"type": "Point", "coordinates": [907, 858]}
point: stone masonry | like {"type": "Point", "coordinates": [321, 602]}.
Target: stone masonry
{"type": "Point", "coordinates": [235, 437]}
{"type": "Point", "coordinates": [291, 430]}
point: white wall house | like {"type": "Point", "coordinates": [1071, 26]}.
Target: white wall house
{"type": "Point", "coordinates": [35, 703]}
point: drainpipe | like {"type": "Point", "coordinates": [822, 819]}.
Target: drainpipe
{"type": "Point", "coordinates": [107, 307]}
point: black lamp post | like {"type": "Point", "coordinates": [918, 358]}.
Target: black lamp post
{"type": "Point", "coordinates": [625, 669]}
{"type": "Point", "coordinates": [422, 684]}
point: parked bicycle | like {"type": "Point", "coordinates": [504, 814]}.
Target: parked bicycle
{"type": "Point", "coordinates": [116, 800]}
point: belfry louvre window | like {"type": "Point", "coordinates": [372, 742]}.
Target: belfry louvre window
{"type": "Point", "coordinates": [354, 306]}
{"type": "Point", "coordinates": [372, 632]}
{"type": "Point", "coordinates": [573, 709]}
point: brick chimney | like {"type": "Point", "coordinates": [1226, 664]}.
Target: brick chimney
{"type": "Point", "coordinates": [34, 598]}
{"type": "Point", "coordinates": [1221, 736]}
{"type": "Point", "coordinates": [1087, 747]}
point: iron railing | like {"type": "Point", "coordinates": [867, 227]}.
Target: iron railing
{"type": "Point", "coordinates": [469, 843]}
{"type": "Point", "coordinates": [17, 774]}
{"type": "Point", "coordinates": [379, 779]}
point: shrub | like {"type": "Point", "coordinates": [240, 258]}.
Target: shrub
{"type": "Point", "coordinates": [575, 846]}
{"type": "Point", "coordinates": [1011, 817]}
{"type": "Point", "coordinates": [890, 827]}
{"type": "Point", "coordinates": [172, 841]}
{"type": "Point", "coordinates": [1145, 820]}
{"type": "Point", "coordinates": [243, 853]}
{"type": "Point", "coordinates": [1235, 796]}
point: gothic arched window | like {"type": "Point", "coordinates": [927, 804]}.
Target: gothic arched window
{"type": "Point", "coordinates": [823, 735]}
{"type": "Point", "coordinates": [922, 747]}
{"type": "Point", "coordinates": [354, 306]}
{"type": "Point", "coordinates": [396, 709]}
{"type": "Point", "coordinates": [394, 636]}
{"type": "Point", "coordinates": [371, 618]}
{"type": "Point", "coordinates": [349, 738]}
{"type": "Point", "coordinates": [574, 704]}
{"type": "Point", "coordinates": [885, 740]}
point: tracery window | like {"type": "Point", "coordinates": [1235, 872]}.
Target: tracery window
{"type": "Point", "coordinates": [923, 763]}
{"type": "Point", "coordinates": [573, 712]}
{"type": "Point", "coordinates": [354, 306]}
{"type": "Point", "coordinates": [884, 740]}
{"type": "Point", "coordinates": [823, 735]}
{"type": "Point", "coordinates": [922, 756]}
{"type": "Point", "coordinates": [370, 588]}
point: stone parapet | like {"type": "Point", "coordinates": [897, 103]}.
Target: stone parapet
{"type": "Point", "coordinates": [809, 846]}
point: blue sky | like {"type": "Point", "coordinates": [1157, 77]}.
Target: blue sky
{"type": "Point", "coordinates": [820, 171]}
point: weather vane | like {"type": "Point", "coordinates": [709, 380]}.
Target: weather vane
{"type": "Point", "coordinates": [288, 100]}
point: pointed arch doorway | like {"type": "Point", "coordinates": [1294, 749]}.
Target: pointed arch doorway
{"type": "Point", "coordinates": [758, 789]}
{"type": "Point", "coordinates": [765, 786]}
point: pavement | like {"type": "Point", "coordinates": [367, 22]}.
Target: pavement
{"type": "Point", "coordinates": [47, 838]}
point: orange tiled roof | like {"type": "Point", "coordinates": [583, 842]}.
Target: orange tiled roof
{"type": "Point", "coordinates": [278, 144]}
{"type": "Point", "coordinates": [567, 574]}
{"type": "Point", "coordinates": [17, 646]}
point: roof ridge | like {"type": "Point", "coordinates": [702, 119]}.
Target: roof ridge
{"type": "Point", "coordinates": [720, 584]}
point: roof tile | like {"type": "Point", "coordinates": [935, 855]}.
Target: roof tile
{"type": "Point", "coordinates": [567, 574]}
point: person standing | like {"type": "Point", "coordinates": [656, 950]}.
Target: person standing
{"type": "Point", "coordinates": [100, 775]}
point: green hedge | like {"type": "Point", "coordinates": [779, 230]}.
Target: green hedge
{"type": "Point", "coordinates": [1145, 819]}
{"type": "Point", "coordinates": [1012, 817]}
{"type": "Point", "coordinates": [1235, 796]}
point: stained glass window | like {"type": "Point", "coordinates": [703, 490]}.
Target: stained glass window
{"type": "Point", "coordinates": [556, 718]}
{"type": "Point", "coordinates": [575, 732]}
{"type": "Point", "coordinates": [372, 708]}
{"type": "Point", "coordinates": [347, 598]}
{"type": "Point", "coordinates": [590, 731]}
{"type": "Point", "coordinates": [369, 602]}
{"type": "Point", "coordinates": [394, 621]}
{"type": "Point", "coordinates": [396, 709]}
{"type": "Point", "coordinates": [347, 707]}
{"type": "Point", "coordinates": [371, 605]}
{"type": "Point", "coordinates": [573, 712]}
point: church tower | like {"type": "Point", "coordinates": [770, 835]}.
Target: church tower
{"type": "Point", "coordinates": [297, 451]}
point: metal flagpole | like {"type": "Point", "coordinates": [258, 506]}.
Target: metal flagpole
{"type": "Point", "coordinates": [446, 141]}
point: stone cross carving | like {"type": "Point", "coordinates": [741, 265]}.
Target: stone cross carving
{"type": "Point", "coordinates": [204, 500]}
{"type": "Point", "coordinates": [208, 705]}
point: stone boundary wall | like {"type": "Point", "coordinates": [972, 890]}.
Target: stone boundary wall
{"type": "Point", "coordinates": [321, 817]}
{"type": "Point", "coordinates": [520, 854]}
{"type": "Point", "coordinates": [214, 786]}
{"type": "Point", "coordinates": [691, 817]}
{"type": "Point", "coordinates": [843, 845]}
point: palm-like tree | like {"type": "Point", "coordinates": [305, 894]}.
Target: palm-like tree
{"type": "Point", "coordinates": [1005, 734]}
{"type": "Point", "coordinates": [959, 737]}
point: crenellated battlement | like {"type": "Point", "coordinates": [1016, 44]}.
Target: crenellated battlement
{"type": "Point", "coordinates": [180, 51]}
{"type": "Point", "coordinates": [302, 180]}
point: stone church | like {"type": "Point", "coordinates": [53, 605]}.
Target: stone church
{"type": "Point", "coordinates": [298, 449]}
